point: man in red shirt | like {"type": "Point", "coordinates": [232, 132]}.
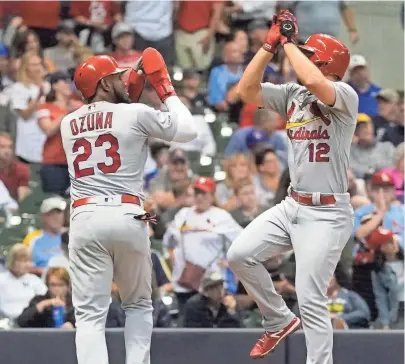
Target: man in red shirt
{"type": "Point", "coordinates": [123, 40]}
{"type": "Point", "coordinates": [14, 174]}
{"type": "Point", "coordinates": [195, 37]}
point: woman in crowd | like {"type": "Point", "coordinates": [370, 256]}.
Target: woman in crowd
{"type": "Point", "coordinates": [53, 309]}
{"type": "Point", "coordinates": [26, 95]}
{"type": "Point", "coordinates": [237, 168]}
{"type": "Point", "coordinates": [54, 170]}
{"type": "Point", "coordinates": [198, 239]}
{"type": "Point", "coordinates": [28, 41]}
{"type": "Point", "coordinates": [17, 286]}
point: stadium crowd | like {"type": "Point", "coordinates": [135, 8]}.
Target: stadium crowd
{"type": "Point", "coordinates": [203, 192]}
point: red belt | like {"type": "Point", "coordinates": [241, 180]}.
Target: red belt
{"type": "Point", "coordinates": [93, 200]}
{"type": "Point", "coordinates": [306, 199]}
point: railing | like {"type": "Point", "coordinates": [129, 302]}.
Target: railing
{"type": "Point", "coordinates": [205, 346]}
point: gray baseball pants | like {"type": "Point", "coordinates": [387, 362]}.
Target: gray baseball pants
{"type": "Point", "coordinates": [107, 243]}
{"type": "Point", "coordinates": [317, 234]}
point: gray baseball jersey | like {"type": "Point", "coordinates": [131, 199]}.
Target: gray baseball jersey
{"type": "Point", "coordinates": [106, 146]}
{"type": "Point", "coordinates": [319, 135]}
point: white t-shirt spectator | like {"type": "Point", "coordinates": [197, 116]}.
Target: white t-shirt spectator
{"type": "Point", "coordinates": [200, 238]}
{"type": "Point", "coordinates": [204, 143]}
{"type": "Point", "coordinates": [30, 138]}
{"type": "Point", "coordinates": [16, 293]}
{"type": "Point", "coordinates": [6, 201]}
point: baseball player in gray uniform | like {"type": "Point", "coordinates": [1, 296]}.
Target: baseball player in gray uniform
{"type": "Point", "coordinates": [105, 142]}
{"type": "Point", "coordinates": [316, 218]}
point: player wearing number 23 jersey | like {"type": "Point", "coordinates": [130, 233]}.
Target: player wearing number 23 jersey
{"type": "Point", "coordinates": [105, 143]}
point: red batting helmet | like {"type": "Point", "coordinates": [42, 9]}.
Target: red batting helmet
{"type": "Point", "coordinates": [93, 70]}
{"type": "Point", "coordinates": [329, 54]}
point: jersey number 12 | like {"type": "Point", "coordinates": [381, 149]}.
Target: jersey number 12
{"type": "Point", "coordinates": [318, 152]}
{"type": "Point", "coordinates": [111, 152]}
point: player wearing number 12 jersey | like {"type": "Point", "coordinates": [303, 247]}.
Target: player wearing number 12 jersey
{"type": "Point", "coordinates": [315, 219]}
{"type": "Point", "coordinates": [105, 142]}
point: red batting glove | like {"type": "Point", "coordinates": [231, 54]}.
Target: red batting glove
{"type": "Point", "coordinates": [272, 39]}
{"type": "Point", "coordinates": [288, 27]}
{"type": "Point", "coordinates": [157, 74]}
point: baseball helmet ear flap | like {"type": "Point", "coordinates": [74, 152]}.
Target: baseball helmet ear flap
{"type": "Point", "coordinates": [134, 83]}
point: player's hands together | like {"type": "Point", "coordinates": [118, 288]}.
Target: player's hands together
{"type": "Point", "coordinates": [272, 39]}
{"type": "Point", "coordinates": [155, 69]}
{"type": "Point", "coordinates": [288, 27]}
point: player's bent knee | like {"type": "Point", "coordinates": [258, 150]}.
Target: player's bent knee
{"type": "Point", "coordinates": [235, 256]}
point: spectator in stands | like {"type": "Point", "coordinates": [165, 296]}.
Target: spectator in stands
{"type": "Point", "coordinates": [161, 271]}
{"type": "Point", "coordinates": [157, 160]}
{"type": "Point", "coordinates": [267, 121]}
{"type": "Point", "coordinates": [191, 88]}
{"type": "Point", "coordinates": [268, 177]}
{"type": "Point", "coordinates": [197, 23]}
{"type": "Point", "coordinates": [241, 38]}
{"type": "Point", "coordinates": [223, 77]}
{"type": "Point", "coordinates": [161, 314]}
{"type": "Point", "coordinates": [198, 237]}
{"type": "Point", "coordinates": [17, 286]}
{"type": "Point", "coordinates": [359, 79]}
{"type": "Point", "coordinates": [28, 41]}
{"type": "Point", "coordinates": [54, 171]}
{"type": "Point", "coordinates": [346, 307]}
{"type": "Point", "coordinates": [14, 174]}
{"type": "Point", "coordinates": [244, 12]}
{"type": "Point", "coordinates": [257, 30]}
{"type": "Point", "coordinates": [394, 133]}
{"type": "Point", "coordinates": [62, 260]}
{"type": "Point", "coordinates": [205, 142]}
{"type": "Point", "coordinates": [386, 209]}
{"type": "Point", "coordinates": [323, 17]}
{"type": "Point", "coordinates": [176, 170]}
{"type": "Point", "coordinates": [366, 153]}
{"type": "Point", "coordinates": [388, 278]}
{"type": "Point", "coordinates": [46, 243]}
{"type": "Point", "coordinates": [183, 193]}
{"type": "Point", "coordinates": [26, 95]}
{"type": "Point", "coordinates": [123, 41]}
{"type": "Point", "coordinates": [95, 19]}
{"type": "Point", "coordinates": [397, 172]}
{"type": "Point", "coordinates": [211, 308]}
{"type": "Point", "coordinates": [152, 22]}
{"type": "Point", "coordinates": [237, 168]}
{"type": "Point", "coordinates": [249, 206]}
{"type": "Point", "coordinates": [62, 53]}
{"type": "Point", "coordinates": [53, 309]}
{"type": "Point", "coordinates": [387, 101]}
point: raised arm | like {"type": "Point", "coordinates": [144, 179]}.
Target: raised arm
{"type": "Point", "coordinates": [249, 88]}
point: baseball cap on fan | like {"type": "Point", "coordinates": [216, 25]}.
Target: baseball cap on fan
{"type": "Point", "coordinates": [357, 60]}
{"type": "Point", "coordinates": [211, 279]}
{"type": "Point", "coordinates": [255, 137]}
{"type": "Point", "coordinates": [120, 29]}
{"type": "Point", "coordinates": [382, 179]}
{"type": "Point", "coordinates": [388, 95]}
{"type": "Point", "coordinates": [205, 184]}
{"type": "Point", "coordinates": [52, 203]}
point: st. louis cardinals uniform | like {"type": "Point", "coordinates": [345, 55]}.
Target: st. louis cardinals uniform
{"type": "Point", "coordinates": [315, 220]}
{"type": "Point", "coordinates": [106, 149]}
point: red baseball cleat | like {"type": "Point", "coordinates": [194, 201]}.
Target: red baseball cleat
{"type": "Point", "coordinates": [270, 340]}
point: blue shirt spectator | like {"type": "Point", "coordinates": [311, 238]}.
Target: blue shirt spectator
{"type": "Point", "coordinates": [221, 78]}
{"type": "Point", "coordinates": [224, 76]}
{"type": "Point", "coordinates": [360, 81]}
{"type": "Point", "coordinates": [264, 120]}
{"type": "Point", "coordinates": [393, 219]}
{"type": "Point", "coordinates": [46, 243]}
